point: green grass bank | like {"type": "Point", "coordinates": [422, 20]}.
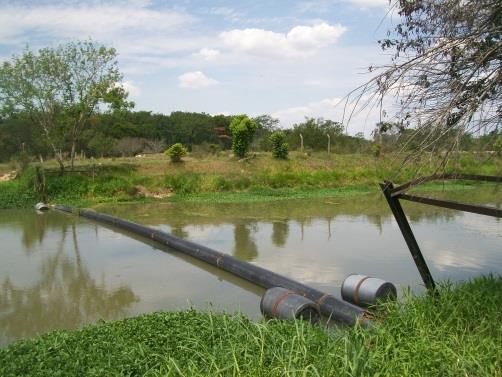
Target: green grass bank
{"type": "Point", "coordinates": [221, 179]}
{"type": "Point", "coordinates": [457, 335]}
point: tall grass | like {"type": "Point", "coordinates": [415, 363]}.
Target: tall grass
{"type": "Point", "coordinates": [457, 335]}
{"type": "Point", "coordinates": [123, 180]}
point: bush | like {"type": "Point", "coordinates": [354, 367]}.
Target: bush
{"type": "Point", "coordinates": [186, 183]}
{"type": "Point", "coordinates": [279, 146]}
{"type": "Point", "coordinates": [377, 150]}
{"type": "Point", "coordinates": [176, 152]}
{"type": "Point", "coordinates": [243, 130]}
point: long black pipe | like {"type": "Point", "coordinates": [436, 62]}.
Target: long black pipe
{"type": "Point", "coordinates": [330, 306]}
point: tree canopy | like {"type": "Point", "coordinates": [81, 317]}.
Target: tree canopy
{"type": "Point", "coordinates": [445, 71]}
{"type": "Point", "coordinates": [60, 88]}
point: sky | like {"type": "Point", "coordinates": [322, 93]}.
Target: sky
{"type": "Point", "coordinates": [289, 59]}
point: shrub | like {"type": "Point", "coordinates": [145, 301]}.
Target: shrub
{"type": "Point", "coordinates": [377, 150]}
{"type": "Point", "coordinates": [186, 183]}
{"type": "Point", "coordinates": [243, 130]}
{"type": "Point", "coordinates": [176, 152]}
{"type": "Point", "coordinates": [279, 146]}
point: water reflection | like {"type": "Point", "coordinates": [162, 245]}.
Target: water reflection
{"type": "Point", "coordinates": [63, 294]}
{"type": "Point", "coordinates": [244, 245]}
{"type": "Point", "coordinates": [320, 241]}
{"type": "Point", "coordinates": [59, 271]}
{"type": "Point", "coordinates": [280, 232]}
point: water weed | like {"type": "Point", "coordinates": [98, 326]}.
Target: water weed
{"type": "Point", "coordinates": [456, 335]}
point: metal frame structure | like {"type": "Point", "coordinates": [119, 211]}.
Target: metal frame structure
{"type": "Point", "coordinates": [394, 193]}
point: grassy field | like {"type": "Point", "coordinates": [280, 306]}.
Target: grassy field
{"type": "Point", "coordinates": [222, 178]}
{"type": "Point", "coordinates": [458, 334]}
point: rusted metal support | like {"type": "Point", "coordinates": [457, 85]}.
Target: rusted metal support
{"type": "Point", "coordinates": [402, 221]}
{"type": "Point", "coordinates": [479, 209]}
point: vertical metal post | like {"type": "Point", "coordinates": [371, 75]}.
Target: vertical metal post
{"type": "Point", "coordinates": [402, 221]}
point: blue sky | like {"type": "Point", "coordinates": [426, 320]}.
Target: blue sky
{"type": "Point", "coordinates": [290, 59]}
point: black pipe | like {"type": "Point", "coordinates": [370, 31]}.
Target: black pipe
{"type": "Point", "coordinates": [330, 306]}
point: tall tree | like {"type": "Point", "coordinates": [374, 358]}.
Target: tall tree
{"type": "Point", "coordinates": [243, 129]}
{"type": "Point", "coordinates": [61, 88]}
{"type": "Point", "coordinates": [90, 79]}
{"type": "Point", "coordinates": [27, 85]}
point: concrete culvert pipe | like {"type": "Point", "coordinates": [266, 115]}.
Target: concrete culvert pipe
{"type": "Point", "coordinates": [278, 302]}
{"type": "Point", "coordinates": [41, 206]}
{"type": "Point", "coordinates": [365, 290]}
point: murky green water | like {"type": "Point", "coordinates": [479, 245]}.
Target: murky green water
{"type": "Point", "coordinates": [59, 271]}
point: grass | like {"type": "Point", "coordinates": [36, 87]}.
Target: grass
{"type": "Point", "coordinates": [458, 335]}
{"type": "Point", "coordinates": [220, 178]}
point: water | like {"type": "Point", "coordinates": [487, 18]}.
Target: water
{"type": "Point", "coordinates": [59, 271]}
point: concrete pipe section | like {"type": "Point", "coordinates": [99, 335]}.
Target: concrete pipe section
{"type": "Point", "coordinates": [278, 302]}
{"type": "Point", "coordinates": [365, 291]}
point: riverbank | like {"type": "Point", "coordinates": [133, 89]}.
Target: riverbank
{"type": "Point", "coordinates": [220, 179]}
{"type": "Point", "coordinates": [459, 334]}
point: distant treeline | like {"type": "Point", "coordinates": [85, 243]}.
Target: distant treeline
{"type": "Point", "coordinates": [128, 133]}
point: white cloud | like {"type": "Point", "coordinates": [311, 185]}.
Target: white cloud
{"type": "Point", "coordinates": [102, 21]}
{"type": "Point", "coordinates": [131, 88]}
{"type": "Point", "coordinates": [208, 53]}
{"type": "Point", "coordinates": [299, 41]}
{"type": "Point", "coordinates": [195, 80]}
{"type": "Point", "coordinates": [369, 3]}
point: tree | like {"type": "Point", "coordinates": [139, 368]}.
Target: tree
{"type": "Point", "coordinates": [61, 88]}
{"type": "Point", "coordinates": [314, 132]}
{"type": "Point", "coordinates": [445, 71]}
{"type": "Point", "coordinates": [265, 126]}
{"type": "Point", "coordinates": [27, 85]}
{"type": "Point", "coordinates": [176, 152]}
{"type": "Point", "coordinates": [90, 78]}
{"type": "Point", "coordinates": [243, 130]}
{"type": "Point", "coordinates": [279, 145]}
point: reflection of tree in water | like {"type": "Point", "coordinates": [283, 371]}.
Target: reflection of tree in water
{"type": "Point", "coordinates": [377, 220]}
{"type": "Point", "coordinates": [179, 231]}
{"type": "Point", "coordinates": [280, 232]}
{"type": "Point", "coordinates": [65, 296]}
{"type": "Point", "coordinates": [35, 225]}
{"type": "Point", "coordinates": [245, 247]}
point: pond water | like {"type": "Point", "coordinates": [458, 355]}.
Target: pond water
{"type": "Point", "coordinates": [59, 271]}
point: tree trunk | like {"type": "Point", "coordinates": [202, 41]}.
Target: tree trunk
{"type": "Point", "coordinates": [59, 159]}
{"type": "Point", "coordinates": [72, 155]}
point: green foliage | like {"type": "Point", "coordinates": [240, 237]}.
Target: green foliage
{"type": "Point", "coordinates": [98, 181]}
{"type": "Point", "coordinates": [176, 152]}
{"type": "Point", "coordinates": [314, 133]}
{"type": "Point", "coordinates": [377, 149]}
{"type": "Point", "coordinates": [280, 147]}
{"type": "Point", "coordinates": [497, 146]}
{"type": "Point", "coordinates": [184, 183]}
{"type": "Point", "coordinates": [243, 130]}
{"type": "Point", "coordinates": [422, 336]}
{"type": "Point", "coordinates": [101, 145]}
{"type": "Point", "coordinates": [61, 88]}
